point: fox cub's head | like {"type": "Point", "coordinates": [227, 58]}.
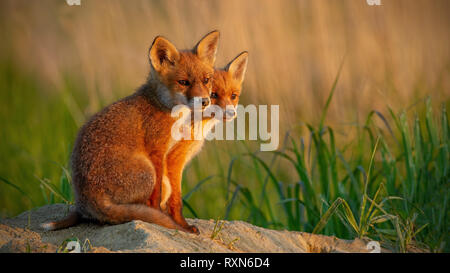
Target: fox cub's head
{"type": "Point", "coordinates": [227, 85]}
{"type": "Point", "coordinates": [184, 75]}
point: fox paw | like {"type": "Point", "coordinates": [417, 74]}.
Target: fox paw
{"type": "Point", "coordinates": [193, 229]}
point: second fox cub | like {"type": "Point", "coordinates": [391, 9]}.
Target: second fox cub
{"type": "Point", "coordinates": [119, 155]}
{"type": "Point", "coordinates": [227, 85]}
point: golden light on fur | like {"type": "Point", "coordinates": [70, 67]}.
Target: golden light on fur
{"type": "Point", "coordinates": [119, 158]}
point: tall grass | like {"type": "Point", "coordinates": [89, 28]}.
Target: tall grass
{"type": "Point", "coordinates": [389, 183]}
{"type": "Point", "coordinates": [382, 175]}
{"type": "Point", "coordinates": [393, 51]}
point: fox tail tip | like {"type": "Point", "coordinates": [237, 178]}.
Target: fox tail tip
{"type": "Point", "coordinates": [48, 226]}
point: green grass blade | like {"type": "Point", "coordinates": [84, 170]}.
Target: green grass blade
{"type": "Point", "coordinates": [7, 182]}
{"type": "Point", "coordinates": [327, 215]}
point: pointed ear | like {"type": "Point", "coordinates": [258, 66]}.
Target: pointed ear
{"type": "Point", "coordinates": [206, 48]}
{"type": "Point", "coordinates": [162, 53]}
{"type": "Point", "coordinates": [237, 67]}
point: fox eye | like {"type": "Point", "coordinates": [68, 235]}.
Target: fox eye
{"type": "Point", "coordinates": [233, 96]}
{"type": "Point", "coordinates": [214, 95]}
{"type": "Point", "coordinates": [206, 80]}
{"type": "Point", "coordinates": [184, 82]}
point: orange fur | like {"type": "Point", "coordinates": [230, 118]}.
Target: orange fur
{"type": "Point", "coordinates": [118, 159]}
{"type": "Point", "coordinates": [226, 82]}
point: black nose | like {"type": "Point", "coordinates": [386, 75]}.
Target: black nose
{"type": "Point", "coordinates": [205, 102]}
{"type": "Point", "coordinates": [230, 113]}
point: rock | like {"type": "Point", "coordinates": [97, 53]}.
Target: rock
{"type": "Point", "coordinates": [24, 234]}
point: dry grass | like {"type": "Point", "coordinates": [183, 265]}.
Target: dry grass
{"type": "Point", "coordinates": [295, 48]}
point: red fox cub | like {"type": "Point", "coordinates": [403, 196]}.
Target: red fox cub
{"type": "Point", "coordinates": [119, 154]}
{"type": "Point", "coordinates": [227, 84]}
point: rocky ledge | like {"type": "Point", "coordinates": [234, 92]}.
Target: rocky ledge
{"type": "Point", "coordinates": [24, 234]}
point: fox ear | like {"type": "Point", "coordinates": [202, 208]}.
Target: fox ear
{"type": "Point", "coordinates": [238, 66]}
{"type": "Point", "coordinates": [162, 53]}
{"type": "Point", "coordinates": [206, 48]}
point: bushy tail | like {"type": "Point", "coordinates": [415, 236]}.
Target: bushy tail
{"type": "Point", "coordinates": [121, 213]}
{"type": "Point", "coordinates": [117, 214]}
{"type": "Point", "coordinates": [72, 219]}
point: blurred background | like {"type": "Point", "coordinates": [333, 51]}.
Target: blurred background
{"type": "Point", "coordinates": [60, 64]}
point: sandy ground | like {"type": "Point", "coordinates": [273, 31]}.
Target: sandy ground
{"type": "Point", "coordinates": [23, 234]}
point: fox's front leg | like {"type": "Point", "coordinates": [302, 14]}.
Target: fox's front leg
{"type": "Point", "coordinates": [173, 178]}
{"type": "Point", "coordinates": [174, 203]}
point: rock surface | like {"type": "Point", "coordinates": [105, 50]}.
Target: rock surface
{"type": "Point", "coordinates": [23, 234]}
